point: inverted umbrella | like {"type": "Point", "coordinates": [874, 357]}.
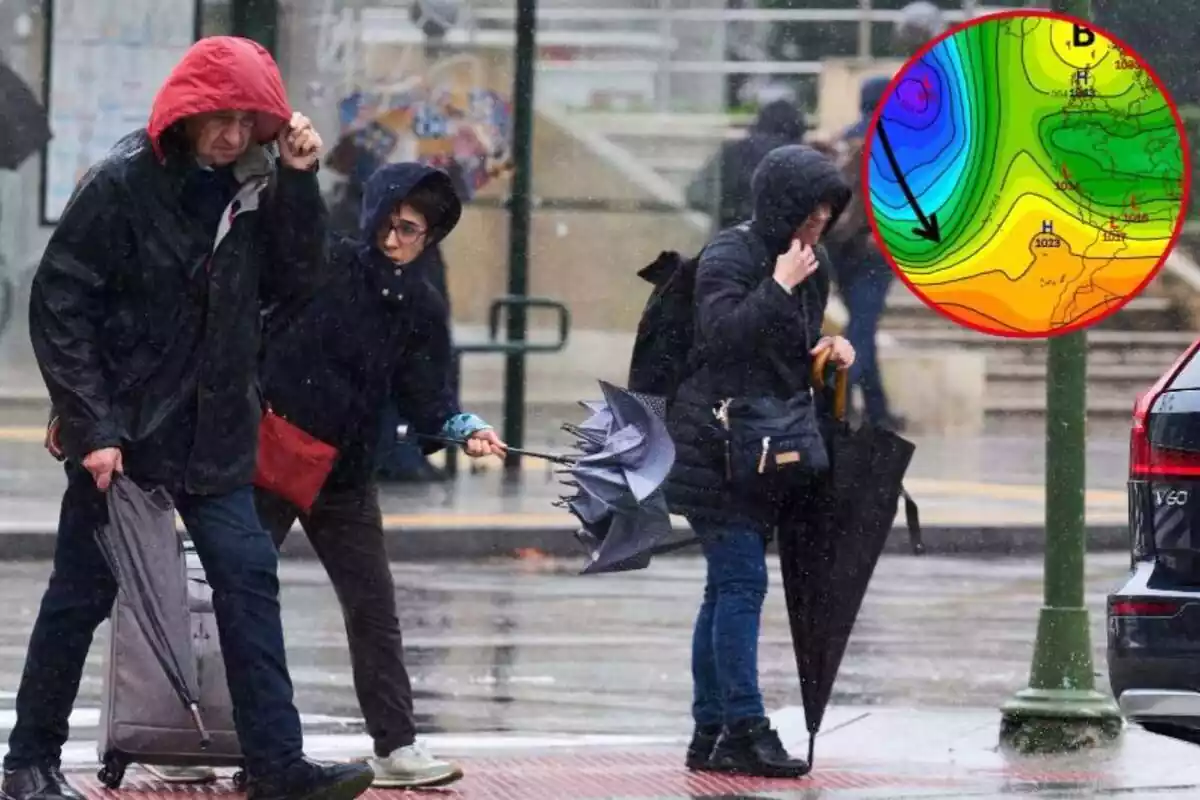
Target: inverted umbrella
{"type": "Point", "coordinates": [146, 556]}
{"type": "Point", "coordinates": [24, 129]}
{"type": "Point", "coordinates": [625, 454]}
{"type": "Point", "coordinates": [828, 548]}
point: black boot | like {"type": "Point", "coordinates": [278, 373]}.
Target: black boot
{"type": "Point", "coordinates": [310, 780]}
{"type": "Point", "coordinates": [38, 783]}
{"type": "Point", "coordinates": [699, 751]}
{"type": "Point", "coordinates": [752, 747]}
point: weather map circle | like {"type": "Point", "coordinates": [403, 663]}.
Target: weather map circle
{"type": "Point", "coordinates": [1027, 174]}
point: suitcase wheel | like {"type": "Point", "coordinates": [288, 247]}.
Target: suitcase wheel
{"type": "Point", "coordinates": [239, 780]}
{"type": "Point", "coordinates": [112, 773]}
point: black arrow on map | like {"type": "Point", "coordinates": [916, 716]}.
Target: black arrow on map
{"type": "Point", "coordinates": [929, 224]}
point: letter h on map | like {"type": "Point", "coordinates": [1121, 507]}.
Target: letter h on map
{"type": "Point", "coordinates": [1047, 226]}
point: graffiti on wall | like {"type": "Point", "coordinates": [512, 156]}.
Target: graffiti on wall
{"type": "Point", "coordinates": [444, 118]}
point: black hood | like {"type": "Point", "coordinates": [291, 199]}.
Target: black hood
{"type": "Point", "coordinates": [391, 184]}
{"type": "Point", "coordinates": [788, 185]}
{"type": "Point", "coordinates": [781, 118]}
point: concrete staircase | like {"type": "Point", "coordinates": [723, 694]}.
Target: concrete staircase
{"type": "Point", "coordinates": [676, 146]}
{"type": "Point", "coordinates": [1127, 353]}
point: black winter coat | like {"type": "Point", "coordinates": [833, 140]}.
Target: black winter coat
{"type": "Point", "coordinates": [741, 314]}
{"type": "Point", "coordinates": [372, 330]}
{"type": "Point", "coordinates": [145, 310]}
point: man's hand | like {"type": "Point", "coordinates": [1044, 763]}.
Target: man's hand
{"type": "Point", "coordinates": [841, 351]}
{"type": "Point", "coordinates": [793, 267]}
{"type": "Point", "coordinates": [485, 443]}
{"type": "Point", "coordinates": [299, 144]}
{"type": "Point", "coordinates": [104, 465]}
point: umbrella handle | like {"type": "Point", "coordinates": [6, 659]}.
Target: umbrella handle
{"type": "Point", "coordinates": [841, 383]}
{"type": "Point", "coordinates": [557, 459]}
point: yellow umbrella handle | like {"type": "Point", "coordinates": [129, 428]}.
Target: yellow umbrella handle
{"type": "Point", "coordinates": [841, 384]}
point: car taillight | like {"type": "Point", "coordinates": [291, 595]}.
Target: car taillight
{"type": "Point", "coordinates": [1146, 460]}
{"type": "Point", "coordinates": [1144, 608]}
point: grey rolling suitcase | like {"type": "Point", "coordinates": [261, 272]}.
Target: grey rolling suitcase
{"type": "Point", "coordinates": [142, 720]}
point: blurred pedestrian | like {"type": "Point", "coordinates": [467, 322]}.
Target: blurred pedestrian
{"type": "Point", "coordinates": [376, 331]}
{"type": "Point", "coordinates": [722, 188]}
{"type": "Point", "coordinates": [760, 293]}
{"type": "Point", "coordinates": [145, 317]}
{"type": "Point", "coordinates": [863, 275]}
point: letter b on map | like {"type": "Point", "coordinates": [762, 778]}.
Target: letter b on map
{"type": "Point", "coordinates": [1083, 37]}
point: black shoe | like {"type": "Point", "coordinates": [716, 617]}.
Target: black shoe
{"type": "Point", "coordinates": [38, 783]}
{"type": "Point", "coordinates": [753, 748]}
{"type": "Point", "coordinates": [310, 780]}
{"type": "Point", "coordinates": [700, 750]}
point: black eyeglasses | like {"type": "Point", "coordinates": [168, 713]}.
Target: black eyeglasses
{"type": "Point", "coordinates": [407, 232]}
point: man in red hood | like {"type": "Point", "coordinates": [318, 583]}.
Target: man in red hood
{"type": "Point", "coordinates": [145, 316]}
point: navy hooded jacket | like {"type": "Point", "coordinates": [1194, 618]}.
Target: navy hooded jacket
{"type": "Point", "coordinates": [371, 330]}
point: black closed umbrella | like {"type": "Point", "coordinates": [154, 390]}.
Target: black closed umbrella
{"type": "Point", "coordinates": [24, 128]}
{"type": "Point", "coordinates": [146, 555]}
{"type": "Point", "coordinates": [829, 548]}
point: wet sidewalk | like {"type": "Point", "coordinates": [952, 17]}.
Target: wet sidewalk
{"type": "Point", "coordinates": [977, 495]}
{"type": "Point", "coordinates": [551, 685]}
{"type": "Point", "coordinates": [863, 753]}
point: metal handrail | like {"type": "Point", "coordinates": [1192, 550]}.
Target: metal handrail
{"type": "Point", "coordinates": [493, 346]}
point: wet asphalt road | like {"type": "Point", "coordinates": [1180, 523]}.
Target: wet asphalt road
{"type": "Point", "coordinates": [531, 647]}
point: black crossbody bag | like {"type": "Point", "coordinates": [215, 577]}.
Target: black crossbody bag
{"type": "Point", "coordinates": [768, 439]}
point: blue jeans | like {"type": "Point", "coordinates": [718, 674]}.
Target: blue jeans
{"type": "Point", "coordinates": [241, 564]}
{"type": "Point", "coordinates": [725, 641]}
{"type": "Point", "coordinates": [866, 299]}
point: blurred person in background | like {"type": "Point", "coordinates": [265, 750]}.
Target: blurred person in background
{"type": "Point", "coordinates": [376, 333]}
{"type": "Point", "coordinates": [863, 275]}
{"type": "Point", "coordinates": [723, 184]}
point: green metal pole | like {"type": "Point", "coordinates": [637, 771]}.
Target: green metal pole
{"type": "Point", "coordinates": [518, 224]}
{"type": "Point", "coordinates": [1061, 709]}
{"type": "Point", "coordinates": [257, 20]}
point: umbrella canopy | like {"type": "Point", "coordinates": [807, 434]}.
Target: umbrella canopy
{"type": "Point", "coordinates": [146, 556]}
{"type": "Point", "coordinates": [626, 454]}
{"type": "Point", "coordinates": [24, 129]}
{"type": "Point", "coordinates": [829, 548]}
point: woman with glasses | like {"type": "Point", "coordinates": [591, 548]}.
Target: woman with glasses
{"type": "Point", "coordinates": [376, 331]}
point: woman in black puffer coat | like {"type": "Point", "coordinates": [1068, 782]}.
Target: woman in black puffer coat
{"type": "Point", "coordinates": [761, 291]}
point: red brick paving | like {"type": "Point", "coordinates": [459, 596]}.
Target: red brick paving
{"type": "Point", "coordinates": [580, 776]}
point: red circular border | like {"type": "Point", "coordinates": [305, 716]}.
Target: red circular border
{"type": "Point", "coordinates": [894, 83]}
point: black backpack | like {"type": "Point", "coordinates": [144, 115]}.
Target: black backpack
{"type": "Point", "coordinates": [665, 334]}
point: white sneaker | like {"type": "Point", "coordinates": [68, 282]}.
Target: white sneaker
{"type": "Point", "coordinates": [172, 774]}
{"type": "Point", "coordinates": [413, 766]}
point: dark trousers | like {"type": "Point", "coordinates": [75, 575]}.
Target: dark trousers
{"type": "Point", "coordinates": [345, 528]}
{"type": "Point", "coordinates": [725, 639]}
{"type": "Point", "coordinates": [866, 299]}
{"type": "Point", "coordinates": [241, 567]}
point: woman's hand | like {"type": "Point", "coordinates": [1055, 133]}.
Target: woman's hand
{"type": "Point", "coordinates": [795, 266]}
{"type": "Point", "coordinates": [485, 443]}
{"type": "Point", "coordinates": [841, 352]}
